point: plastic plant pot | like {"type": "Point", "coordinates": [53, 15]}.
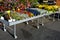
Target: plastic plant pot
{"type": "Point", "coordinates": [35, 12]}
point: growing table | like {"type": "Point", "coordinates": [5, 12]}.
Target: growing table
{"type": "Point", "coordinates": [5, 23]}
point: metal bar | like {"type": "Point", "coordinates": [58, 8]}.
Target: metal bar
{"type": "Point", "coordinates": [32, 20]}
{"type": "Point", "coordinates": [54, 17]}
{"type": "Point", "coordinates": [38, 23]}
{"type": "Point", "coordinates": [58, 16]}
{"type": "Point", "coordinates": [15, 36]}
{"type": "Point", "coordinates": [4, 27]}
{"type": "Point", "coordinates": [10, 28]}
{"type": "Point", "coordinates": [42, 21]}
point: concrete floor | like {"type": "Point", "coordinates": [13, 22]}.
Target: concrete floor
{"type": "Point", "coordinates": [50, 31]}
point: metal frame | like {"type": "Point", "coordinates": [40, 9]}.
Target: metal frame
{"type": "Point", "coordinates": [21, 21]}
{"type": "Point", "coordinates": [6, 24]}
{"type": "Point", "coordinates": [15, 36]}
{"type": "Point", "coordinates": [25, 20]}
{"type": "Point", "coordinates": [4, 27]}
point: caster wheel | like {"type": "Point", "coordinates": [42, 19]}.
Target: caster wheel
{"type": "Point", "coordinates": [15, 37]}
{"type": "Point", "coordinates": [5, 30]}
{"type": "Point", "coordinates": [27, 22]}
{"type": "Point", "coordinates": [38, 27]}
{"type": "Point", "coordinates": [42, 24]}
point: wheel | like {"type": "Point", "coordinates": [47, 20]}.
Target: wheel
{"type": "Point", "coordinates": [5, 30]}
{"type": "Point", "coordinates": [38, 27]}
{"type": "Point", "coordinates": [15, 37]}
{"type": "Point", "coordinates": [42, 24]}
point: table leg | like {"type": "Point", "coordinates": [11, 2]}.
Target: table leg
{"type": "Point", "coordinates": [42, 22]}
{"type": "Point", "coordinates": [38, 23]}
{"type": "Point", "coordinates": [58, 16]}
{"type": "Point", "coordinates": [32, 20]}
{"type": "Point", "coordinates": [54, 17]}
{"type": "Point", "coordinates": [15, 36]}
{"type": "Point", "coordinates": [4, 27]}
{"type": "Point", "coordinates": [27, 22]}
{"type": "Point", "coordinates": [49, 17]}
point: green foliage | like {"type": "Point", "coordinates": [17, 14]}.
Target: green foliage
{"type": "Point", "coordinates": [1, 14]}
{"type": "Point", "coordinates": [15, 16]}
{"type": "Point", "coordinates": [33, 2]}
{"type": "Point", "coordinates": [22, 1]}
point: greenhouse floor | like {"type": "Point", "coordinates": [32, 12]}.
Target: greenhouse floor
{"type": "Point", "coordinates": [50, 31]}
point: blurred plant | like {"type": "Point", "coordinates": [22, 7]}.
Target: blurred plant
{"type": "Point", "coordinates": [29, 2]}
{"type": "Point", "coordinates": [33, 2]}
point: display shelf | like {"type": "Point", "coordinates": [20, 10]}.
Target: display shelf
{"type": "Point", "coordinates": [17, 13]}
{"type": "Point", "coordinates": [18, 22]}
{"type": "Point", "coordinates": [27, 19]}
{"type": "Point", "coordinates": [45, 13]}
{"type": "Point", "coordinates": [41, 11]}
{"type": "Point", "coordinates": [6, 23]}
